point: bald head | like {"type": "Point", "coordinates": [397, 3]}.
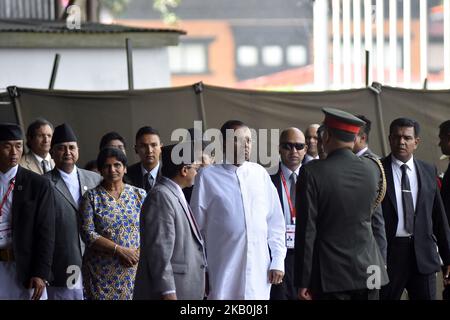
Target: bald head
{"type": "Point", "coordinates": [292, 147]}
{"type": "Point", "coordinates": [311, 139]}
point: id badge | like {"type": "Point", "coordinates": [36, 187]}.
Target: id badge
{"type": "Point", "coordinates": [5, 234]}
{"type": "Point", "coordinates": [290, 236]}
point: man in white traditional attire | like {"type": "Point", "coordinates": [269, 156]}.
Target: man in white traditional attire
{"type": "Point", "coordinates": [240, 217]}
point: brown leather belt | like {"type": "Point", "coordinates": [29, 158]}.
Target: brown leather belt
{"type": "Point", "coordinates": [6, 255]}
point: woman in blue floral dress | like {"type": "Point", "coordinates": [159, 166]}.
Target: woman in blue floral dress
{"type": "Point", "coordinates": [109, 226]}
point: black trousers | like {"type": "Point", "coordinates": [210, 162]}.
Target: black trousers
{"type": "Point", "coordinates": [363, 294]}
{"type": "Point", "coordinates": [403, 273]}
{"type": "Point", "coordinates": [286, 290]}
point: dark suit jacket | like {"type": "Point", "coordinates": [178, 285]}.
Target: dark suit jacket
{"type": "Point", "coordinates": [67, 240]}
{"type": "Point", "coordinates": [431, 225]}
{"type": "Point", "coordinates": [34, 225]}
{"type": "Point", "coordinates": [334, 242]}
{"type": "Point", "coordinates": [134, 175]}
{"type": "Point", "coordinates": [445, 191]}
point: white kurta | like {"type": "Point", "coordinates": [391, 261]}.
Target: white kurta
{"type": "Point", "coordinates": [239, 214]}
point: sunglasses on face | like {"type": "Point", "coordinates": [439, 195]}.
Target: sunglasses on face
{"type": "Point", "coordinates": [289, 146]}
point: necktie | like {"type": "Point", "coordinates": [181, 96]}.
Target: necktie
{"type": "Point", "coordinates": [148, 181]}
{"type": "Point", "coordinates": [407, 200]}
{"type": "Point", "coordinates": [293, 179]}
{"type": "Point", "coordinates": [44, 166]}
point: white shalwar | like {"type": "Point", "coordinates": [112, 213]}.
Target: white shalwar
{"type": "Point", "coordinates": [239, 214]}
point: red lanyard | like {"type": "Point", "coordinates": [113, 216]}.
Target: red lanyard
{"type": "Point", "coordinates": [291, 207]}
{"type": "Point", "coordinates": [8, 192]}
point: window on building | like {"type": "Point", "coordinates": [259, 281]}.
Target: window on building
{"type": "Point", "coordinates": [296, 55]}
{"type": "Point", "coordinates": [247, 56]}
{"type": "Point", "coordinates": [189, 57]}
{"type": "Point", "coordinates": [272, 56]}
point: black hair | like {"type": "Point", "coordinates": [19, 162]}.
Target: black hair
{"type": "Point", "coordinates": [36, 124]}
{"type": "Point", "coordinates": [110, 153]}
{"type": "Point", "coordinates": [146, 130]}
{"type": "Point", "coordinates": [169, 169]}
{"type": "Point", "coordinates": [405, 122]}
{"type": "Point", "coordinates": [444, 127]}
{"type": "Point", "coordinates": [230, 124]}
{"type": "Point", "coordinates": [365, 128]}
{"type": "Point", "coordinates": [108, 137]}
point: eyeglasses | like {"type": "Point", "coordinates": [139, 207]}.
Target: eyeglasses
{"type": "Point", "coordinates": [196, 168]}
{"type": "Point", "coordinates": [289, 146]}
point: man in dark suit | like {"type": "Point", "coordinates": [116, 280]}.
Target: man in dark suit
{"type": "Point", "coordinates": [70, 183]}
{"type": "Point", "coordinates": [145, 173]}
{"type": "Point", "coordinates": [444, 143]}
{"type": "Point", "coordinates": [312, 152]}
{"type": "Point", "coordinates": [27, 208]}
{"type": "Point", "coordinates": [336, 255]}
{"type": "Point", "coordinates": [414, 218]}
{"type": "Point", "coordinates": [361, 149]}
{"type": "Point", "coordinates": [172, 263]}
{"type": "Point", "coordinates": [292, 149]}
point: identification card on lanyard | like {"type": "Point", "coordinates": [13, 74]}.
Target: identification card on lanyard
{"type": "Point", "coordinates": [5, 226]}
{"type": "Point", "coordinates": [290, 228]}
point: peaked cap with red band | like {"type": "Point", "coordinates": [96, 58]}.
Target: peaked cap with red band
{"type": "Point", "coordinates": [341, 120]}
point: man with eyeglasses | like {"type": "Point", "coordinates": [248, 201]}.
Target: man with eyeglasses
{"type": "Point", "coordinates": [292, 150]}
{"type": "Point", "coordinates": [172, 263]}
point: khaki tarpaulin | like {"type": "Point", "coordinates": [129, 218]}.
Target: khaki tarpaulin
{"type": "Point", "coordinates": [92, 114]}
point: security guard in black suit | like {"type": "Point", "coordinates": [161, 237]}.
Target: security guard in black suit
{"type": "Point", "coordinates": [336, 255]}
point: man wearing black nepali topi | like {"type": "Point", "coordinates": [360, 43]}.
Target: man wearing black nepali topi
{"type": "Point", "coordinates": [27, 223]}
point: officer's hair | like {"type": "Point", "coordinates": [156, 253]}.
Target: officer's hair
{"type": "Point", "coordinates": [32, 128]}
{"type": "Point", "coordinates": [147, 130]}
{"type": "Point", "coordinates": [365, 128]}
{"type": "Point", "coordinates": [405, 122]}
{"type": "Point", "coordinates": [107, 137]}
{"type": "Point", "coordinates": [342, 135]}
{"type": "Point", "coordinates": [444, 127]}
{"type": "Point", "coordinates": [230, 124]}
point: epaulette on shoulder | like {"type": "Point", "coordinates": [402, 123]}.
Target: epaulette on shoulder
{"type": "Point", "coordinates": [382, 183]}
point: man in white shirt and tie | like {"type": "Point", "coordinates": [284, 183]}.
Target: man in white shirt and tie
{"type": "Point", "coordinates": [239, 215]}
{"type": "Point", "coordinates": [415, 218]}
{"type": "Point", "coordinates": [292, 150]}
{"type": "Point", "coordinates": [311, 141]}
{"type": "Point", "coordinates": [145, 173]}
{"type": "Point", "coordinates": [39, 137]}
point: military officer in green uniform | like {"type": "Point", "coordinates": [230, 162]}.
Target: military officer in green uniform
{"type": "Point", "coordinates": [336, 255]}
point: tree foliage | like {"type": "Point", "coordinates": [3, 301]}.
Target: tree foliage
{"type": "Point", "coordinates": [164, 7]}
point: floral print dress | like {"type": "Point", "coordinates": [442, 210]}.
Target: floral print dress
{"type": "Point", "coordinates": [104, 278]}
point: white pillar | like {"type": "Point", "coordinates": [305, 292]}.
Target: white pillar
{"type": "Point", "coordinates": [347, 51]}
{"type": "Point", "coordinates": [320, 30]}
{"type": "Point", "coordinates": [393, 42]}
{"type": "Point", "coordinates": [357, 52]}
{"type": "Point", "coordinates": [368, 32]}
{"type": "Point", "coordinates": [423, 40]}
{"type": "Point", "coordinates": [407, 43]}
{"type": "Point", "coordinates": [337, 79]}
{"type": "Point", "coordinates": [380, 40]}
